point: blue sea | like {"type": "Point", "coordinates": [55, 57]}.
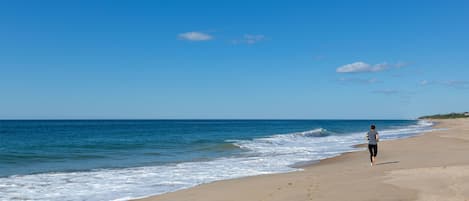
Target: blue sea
{"type": "Point", "coordinates": [124, 159]}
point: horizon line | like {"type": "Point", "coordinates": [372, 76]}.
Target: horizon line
{"type": "Point", "coordinates": [190, 119]}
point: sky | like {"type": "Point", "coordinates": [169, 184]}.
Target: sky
{"type": "Point", "coordinates": [233, 59]}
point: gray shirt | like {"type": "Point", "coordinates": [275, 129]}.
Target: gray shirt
{"type": "Point", "coordinates": [372, 137]}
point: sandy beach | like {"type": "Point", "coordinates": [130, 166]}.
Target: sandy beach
{"type": "Point", "coordinates": [433, 166]}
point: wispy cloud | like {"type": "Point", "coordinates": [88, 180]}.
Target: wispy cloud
{"type": "Point", "coordinates": [358, 80]}
{"type": "Point", "coordinates": [386, 91]}
{"type": "Point", "coordinates": [360, 67]}
{"type": "Point", "coordinates": [250, 39]}
{"type": "Point", "coordinates": [195, 36]}
{"type": "Point", "coordinates": [424, 82]}
{"type": "Point", "coordinates": [401, 64]}
{"type": "Point", "coordinates": [459, 84]}
{"type": "Point", "coordinates": [403, 95]}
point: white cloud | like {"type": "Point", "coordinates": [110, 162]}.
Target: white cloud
{"type": "Point", "coordinates": [354, 67]}
{"type": "Point", "coordinates": [195, 36]}
{"type": "Point", "coordinates": [359, 67]}
{"type": "Point", "coordinates": [250, 39]}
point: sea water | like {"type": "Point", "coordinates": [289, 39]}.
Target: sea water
{"type": "Point", "coordinates": [124, 159]}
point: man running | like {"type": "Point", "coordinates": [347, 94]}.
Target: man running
{"type": "Point", "coordinates": [373, 139]}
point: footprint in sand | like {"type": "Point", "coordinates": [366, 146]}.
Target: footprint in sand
{"type": "Point", "coordinates": [311, 189]}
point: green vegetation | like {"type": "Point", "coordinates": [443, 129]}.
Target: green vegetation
{"type": "Point", "coordinates": [447, 116]}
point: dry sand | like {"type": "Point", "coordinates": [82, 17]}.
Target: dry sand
{"type": "Point", "coordinates": [430, 167]}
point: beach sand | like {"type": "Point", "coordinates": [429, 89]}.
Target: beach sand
{"type": "Point", "coordinates": [430, 167]}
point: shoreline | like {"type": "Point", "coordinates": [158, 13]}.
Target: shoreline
{"type": "Point", "coordinates": [299, 166]}
{"type": "Point", "coordinates": [341, 166]}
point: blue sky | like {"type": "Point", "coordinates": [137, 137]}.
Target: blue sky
{"type": "Point", "coordinates": [237, 59]}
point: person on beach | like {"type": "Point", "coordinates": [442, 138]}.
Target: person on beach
{"type": "Point", "coordinates": [373, 139]}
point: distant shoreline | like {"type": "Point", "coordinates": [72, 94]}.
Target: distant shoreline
{"type": "Point", "coordinates": [447, 116]}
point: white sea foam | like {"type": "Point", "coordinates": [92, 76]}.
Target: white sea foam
{"type": "Point", "coordinates": [272, 154]}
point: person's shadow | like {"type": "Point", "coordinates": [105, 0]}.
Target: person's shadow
{"type": "Point", "coordinates": [385, 163]}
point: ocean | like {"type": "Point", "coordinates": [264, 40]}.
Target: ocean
{"type": "Point", "coordinates": [123, 159]}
